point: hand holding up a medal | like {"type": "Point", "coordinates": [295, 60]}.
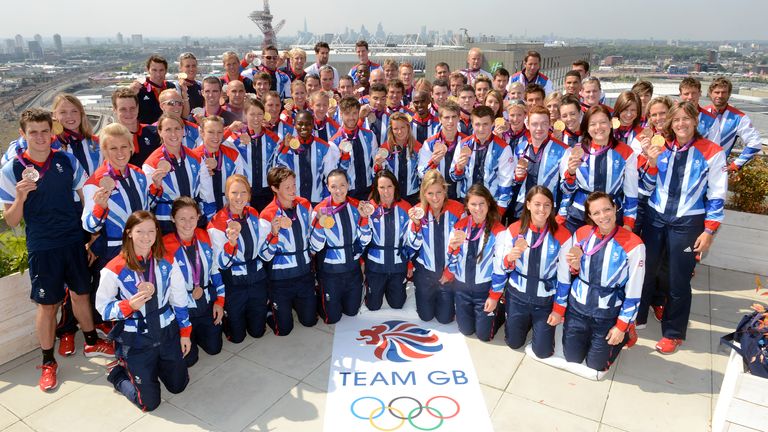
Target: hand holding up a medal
{"type": "Point", "coordinates": [233, 231]}
{"type": "Point", "coordinates": [456, 239]}
{"type": "Point", "coordinates": [574, 161]}
{"type": "Point", "coordinates": [365, 208]}
{"type": "Point", "coordinates": [416, 214]}
{"type": "Point", "coordinates": [574, 257]}
{"type": "Point", "coordinates": [517, 250]}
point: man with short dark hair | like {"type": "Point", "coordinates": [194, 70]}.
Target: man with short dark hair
{"type": "Point", "coordinates": [361, 49]}
{"type": "Point", "coordinates": [39, 186]}
{"type": "Point", "coordinates": [322, 54]}
{"type": "Point", "coordinates": [148, 89]}
{"type": "Point", "coordinates": [212, 95]}
{"type": "Point", "coordinates": [572, 83]}
{"type": "Point", "coordinates": [442, 71]}
{"type": "Point", "coordinates": [484, 158]}
{"type": "Point", "coordinates": [531, 73]}
{"type": "Point", "coordinates": [125, 107]}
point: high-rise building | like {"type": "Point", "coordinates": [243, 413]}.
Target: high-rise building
{"type": "Point", "coordinates": [38, 39]}
{"type": "Point", "coordinates": [137, 40]}
{"type": "Point", "coordinates": [88, 41]}
{"type": "Point", "coordinates": [35, 50]}
{"type": "Point", "coordinates": [19, 41]}
{"type": "Point", "coordinates": [119, 38]}
{"type": "Point", "coordinates": [10, 46]}
{"type": "Point", "coordinates": [57, 43]}
{"type": "Point", "coordinates": [185, 40]}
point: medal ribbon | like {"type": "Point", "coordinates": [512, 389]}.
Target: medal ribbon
{"type": "Point", "coordinates": [602, 243]}
{"type": "Point", "coordinates": [44, 169]}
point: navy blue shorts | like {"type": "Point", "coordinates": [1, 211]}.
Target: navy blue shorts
{"type": "Point", "coordinates": [52, 270]}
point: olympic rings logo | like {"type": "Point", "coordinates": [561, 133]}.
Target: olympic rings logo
{"type": "Point", "coordinates": [400, 414]}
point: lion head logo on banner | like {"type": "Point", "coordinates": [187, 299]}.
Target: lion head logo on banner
{"type": "Point", "coordinates": [401, 341]}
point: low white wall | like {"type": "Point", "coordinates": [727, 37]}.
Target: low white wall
{"type": "Point", "coordinates": [17, 317]}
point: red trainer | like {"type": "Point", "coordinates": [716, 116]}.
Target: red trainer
{"type": "Point", "coordinates": [668, 346]}
{"type": "Point", "coordinates": [103, 329]}
{"type": "Point", "coordinates": [48, 376]}
{"type": "Point", "coordinates": [100, 348]}
{"type": "Point", "coordinates": [67, 345]}
{"type": "Point", "coordinates": [632, 337]}
{"type": "Point", "coordinates": [658, 312]}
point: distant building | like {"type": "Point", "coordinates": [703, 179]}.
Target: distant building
{"type": "Point", "coordinates": [137, 40]}
{"type": "Point", "coordinates": [185, 41]}
{"type": "Point", "coordinates": [57, 43]}
{"type": "Point", "coordinates": [19, 41]}
{"type": "Point", "coordinates": [35, 50]}
{"type": "Point", "coordinates": [555, 60]}
{"type": "Point", "coordinates": [614, 60]}
{"type": "Point", "coordinates": [38, 39]}
{"type": "Point", "coordinates": [88, 41]}
{"type": "Point", "coordinates": [119, 38]}
{"type": "Point", "coordinates": [9, 47]}
{"type": "Point", "coordinates": [712, 56]}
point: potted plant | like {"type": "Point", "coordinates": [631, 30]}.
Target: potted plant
{"type": "Point", "coordinates": [740, 241]}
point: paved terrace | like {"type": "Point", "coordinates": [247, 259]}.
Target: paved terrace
{"type": "Point", "coordinates": [278, 384]}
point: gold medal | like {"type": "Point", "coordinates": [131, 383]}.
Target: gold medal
{"type": "Point", "coordinates": [107, 183]}
{"type": "Point", "coordinates": [332, 102]}
{"type": "Point", "coordinates": [453, 98]}
{"type": "Point", "coordinates": [409, 118]}
{"type": "Point", "coordinates": [327, 222]}
{"type": "Point", "coordinates": [285, 222]}
{"type": "Point", "coordinates": [57, 128]}
{"type": "Point", "coordinates": [658, 141]}
{"type": "Point", "coordinates": [211, 163]}
{"type": "Point", "coordinates": [181, 76]}
{"type": "Point", "coordinates": [345, 146]}
{"type": "Point", "coordinates": [382, 153]}
{"type": "Point", "coordinates": [499, 121]}
{"type": "Point", "coordinates": [615, 123]}
{"type": "Point", "coordinates": [417, 213]}
{"type": "Point", "coordinates": [294, 143]}
{"type": "Point", "coordinates": [164, 165]}
{"type": "Point", "coordinates": [267, 116]}
{"type": "Point", "coordinates": [559, 125]}
{"type": "Point", "coordinates": [30, 174]}
{"type": "Point", "coordinates": [521, 244]}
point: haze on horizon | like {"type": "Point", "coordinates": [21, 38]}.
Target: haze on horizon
{"type": "Point", "coordinates": [600, 19]}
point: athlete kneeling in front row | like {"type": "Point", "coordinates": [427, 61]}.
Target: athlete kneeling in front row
{"type": "Point", "coordinates": [340, 232]}
{"type": "Point", "coordinates": [530, 255]}
{"type": "Point", "coordinates": [428, 235]}
{"type": "Point", "coordinates": [602, 301]}
{"type": "Point", "coordinates": [143, 290]}
{"type": "Point", "coordinates": [470, 263]}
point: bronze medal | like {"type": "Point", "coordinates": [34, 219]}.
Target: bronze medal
{"type": "Point", "coordinates": [577, 152]}
{"type": "Point", "coordinates": [523, 163]}
{"type": "Point", "coordinates": [234, 226]}
{"type": "Point", "coordinates": [371, 118]}
{"type": "Point", "coordinates": [108, 183]}
{"type": "Point", "coordinates": [466, 151]}
{"type": "Point", "coordinates": [440, 147]}
{"type": "Point", "coordinates": [211, 163]}
{"type": "Point", "coordinates": [521, 244]}
{"type": "Point", "coordinates": [576, 252]}
{"type": "Point", "coordinates": [285, 222]}
{"type": "Point", "coordinates": [147, 287]}
{"type": "Point", "coordinates": [164, 166]}
{"type": "Point", "coordinates": [197, 292]}
{"type": "Point", "coordinates": [31, 174]}
{"type": "Point", "coordinates": [382, 153]}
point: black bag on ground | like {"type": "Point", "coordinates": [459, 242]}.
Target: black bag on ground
{"type": "Point", "coordinates": [751, 334]}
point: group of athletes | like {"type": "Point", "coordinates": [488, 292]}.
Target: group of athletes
{"type": "Point", "coordinates": [222, 206]}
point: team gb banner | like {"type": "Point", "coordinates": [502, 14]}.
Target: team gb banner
{"type": "Point", "coordinates": [391, 372]}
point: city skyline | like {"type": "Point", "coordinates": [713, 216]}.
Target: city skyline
{"type": "Point", "coordinates": [495, 18]}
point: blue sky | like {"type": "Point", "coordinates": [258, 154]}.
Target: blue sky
{"type": "Point", "coordinates": [618, 19]}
